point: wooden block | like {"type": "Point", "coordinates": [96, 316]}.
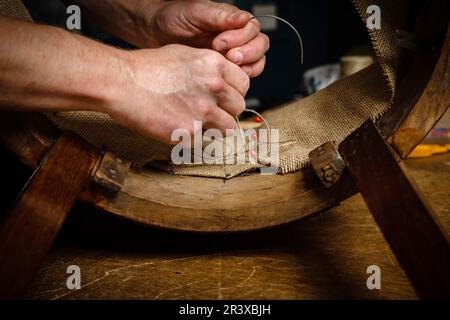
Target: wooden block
{"type": "Point", "coordinates": [110, 173]}
{"type": "Point", "coordinates": [327, 163]}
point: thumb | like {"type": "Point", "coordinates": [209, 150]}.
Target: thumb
{"type": "Point", "coordinates": [214, 16]}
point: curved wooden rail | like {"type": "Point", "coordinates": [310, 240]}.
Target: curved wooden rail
{"type": "Point", "coordinates": [216, 205]}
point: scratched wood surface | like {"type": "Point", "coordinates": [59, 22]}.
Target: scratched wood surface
{"type": "Point", "coordinates": [321, 257]}
{"type": "Point", "coordinates": [407, 221]}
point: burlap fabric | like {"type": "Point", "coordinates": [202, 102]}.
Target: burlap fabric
{"type": "Point", "coordinates": [15, 9]}
{"type": "Point", "coordinates": [331, 114]}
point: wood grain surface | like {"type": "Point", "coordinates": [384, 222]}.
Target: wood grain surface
{"type": "Point", "coordinates": [324, 256]}
{"type": "Point", "coordinates": [246, 203]}
{"type": "Point", "coordinates": [404, 216]}
{"type": "Point", "coordinates": [39, 212]}
{"type": "Point", "coordinates": [432, 104]}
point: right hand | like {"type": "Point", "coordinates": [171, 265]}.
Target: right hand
{"type": "Point", "coordinates": [170, 87]}
{"type": "Point", "coordinates": [206, 24]}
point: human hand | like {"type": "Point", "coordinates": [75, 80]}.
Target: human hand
{"type": "Point", "coordinates": [206, 24]}
{"type": "Point", "coordinates": [168, 88]}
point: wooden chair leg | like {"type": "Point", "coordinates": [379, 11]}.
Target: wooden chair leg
{"type": "Point", "coordinates": [39, 212]}
{"type": "Point", "coordinates": [406, 220]}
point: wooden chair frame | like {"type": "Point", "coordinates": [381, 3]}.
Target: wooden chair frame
{"type": "Point", "coordinates": [176, 202]}
{"type": "Point", "coordinates": [197, 204]}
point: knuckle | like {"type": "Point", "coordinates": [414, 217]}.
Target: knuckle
{"type": "Point", "coordinates": [250, 50]}
{"type": "Point", "coordinates": [263, 60]}
{"type": "Point", "coordinates": [237, 107]}
{"type": "Point", "coordinates": [258, 72]}
{"type": "Point", "coordinates": [205, 110]}
{"type": "Point", "coordinates": [224, 6]}
{"type": "Point", "coordinates": [214, 58]}
{"type": "Point", "coordinates": [246, 84]}
{"type": "Point", "coordinates": [266, 41]}
{"type": "Point", "coordinates": [240, 106]}
{"type": "Point", "coordinates": [256, 26]}
{"type": "Point", "coordinates": [229, 123]}
{"type": "Point", "coordinates": [260, 67]}
{"type": "Point", "coordinates": [190, 129]}
{"type": "Point", "coordinates": [216, 85]}
{"type": "Point", "coordinates": [222, 9]}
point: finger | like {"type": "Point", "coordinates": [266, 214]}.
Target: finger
{"type": "Point", "coordinates": [251, 52]}
{"type": "Point", "coordinates": [255, 69]}
{"type": "Point", "coordinates": [231, 101]}
{"type": "Point", "coordinates": [221, 120]}
{"type": "Point", "coordinates": [236, 77]}
{"type": "Point", "coordinates": [213, 16]}
{"type": "Point", "coordinates": [237, 37]}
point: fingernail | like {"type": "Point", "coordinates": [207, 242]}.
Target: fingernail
{"type": "Point", "coordinates": [222, 46]}
{"type": "Point", "coordinates": [247, 70]}
{"type": "Point", "coordinates": [237, 57]}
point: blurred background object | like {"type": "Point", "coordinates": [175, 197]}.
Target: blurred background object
{"type": "Point", "coordinates": [319, 78]}
{"type": "Point", "coordinates": [351, 64]}
{"type": "Point", "coordinates": [437, 141]}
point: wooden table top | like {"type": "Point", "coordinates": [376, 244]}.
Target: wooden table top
{"type": "Point", "coordinates": [321, 257]}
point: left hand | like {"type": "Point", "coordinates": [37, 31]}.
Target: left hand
{"type": "Point", "coordinates": [207, 24]}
